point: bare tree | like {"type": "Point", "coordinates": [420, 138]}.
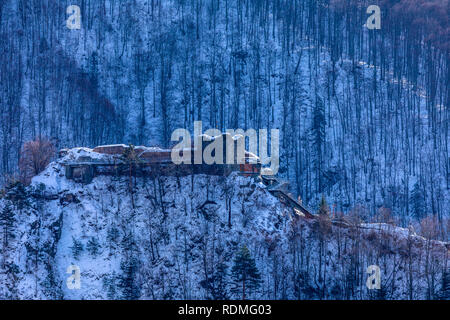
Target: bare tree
{"type": "Point", "coordinates": [34, 157]}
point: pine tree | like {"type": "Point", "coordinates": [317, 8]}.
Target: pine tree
{"type": "Point", "coordinates": [17, 194]}
{"type": "Point", "coordinates": [216, 284]}
{"type": "Point", "coordinates": [324, 210]}
{"type": "Point", "coordinates": [7, 220]}
{"type": "Point", "coordinates": [77, 248]}
{"type": "Point", "coordinates": [417, 200]}
{"type": "Point", "coordinates": [131, 158]}
{"type": "Point", "coordinates": [93, 71]}
{"type": "Point", "coordinates": [109, 285]}
{"type": "Point", "coordinates": [93, 247]}
{"type": "Point", "coordinates": [127, 282]}
{"type": "Point", "coordinates": [318, 140]}
{"type": "Point", "coordinates": [112, 236]}
{"type": "Point", "coordinates": [13, 272]}
{"type": "Point", "coordinates": [445, 290]}
{"type": "Point", "coordinates": [245, 274]}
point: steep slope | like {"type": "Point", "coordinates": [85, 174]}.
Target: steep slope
{"type": "Point", "coordinates": [176, 238]}
{"type": "Point", "coordinates": [363, 115]}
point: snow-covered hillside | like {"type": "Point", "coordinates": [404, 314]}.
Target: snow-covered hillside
{"type": "Point", "coordinates": [176, 238]}
{"type": "Point", "coordinates": [363, 114]}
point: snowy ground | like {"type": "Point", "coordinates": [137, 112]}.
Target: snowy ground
{"type": "Point", "coordinates": [177, 230]}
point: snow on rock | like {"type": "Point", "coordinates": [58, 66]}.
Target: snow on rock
{"type": "Point", "coordinates": [166, 238]}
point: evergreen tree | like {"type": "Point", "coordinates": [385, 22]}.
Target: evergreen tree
{"type": "Point", "coordinates": [110, 285]}
{"type": "Point", "coordinates": [112, 236]}
{"type": "Point", "coordinates": [128, 282]}
{"type": "Point", "coordinates": [130, 156]}
{"type": "Point", "coordinates": [77, 248]}
{"type": "Point", "coordinates": [445, 290]}
{"type": "Point", "coordinates": [245, 274]}
{"type": "Point", "coordinates": [17, 194]}
{"type": "Point", "coordinates": [13, 273]}
{"type": "Point", "coordinates": [318, 140]}
{"type": "Point", "coordinates": [417, 200]}
{"type": "Point", "coordinates": [7, 220]}
{"type": "Point", "coordinates": [93, 71]}
{"type": "Point", "coordinates": [93, 247]}
{"type": "Point", "coordinates": [216, 284]}
{"type": "Point", "coordinates": [324, 210]}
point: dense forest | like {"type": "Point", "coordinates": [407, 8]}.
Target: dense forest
{"type": "Point", "coordinates": [201, 237]}
{"type": "Point", "coordinates": [363, 114]}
